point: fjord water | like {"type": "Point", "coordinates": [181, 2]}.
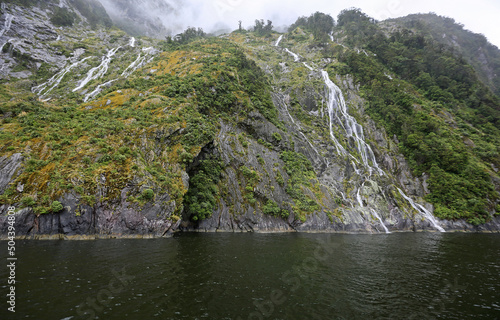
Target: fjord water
{"type": "Point", "coordinates": [260, 276]}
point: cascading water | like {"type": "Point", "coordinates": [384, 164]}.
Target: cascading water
{"type": "Point", "coordinates": [380, 220]}
{"type": "Point", "coordinates": [423, 211]}
{"type": "Point", "coordinates": [99, 71]}
{"type": "Point", "coordinates": [94, 73]}
{"type": "Point", "coordinates": [358, 196]}
{"type": "Point", "coordinates": [6, 28]}
{"type": "Point", "coordinates": [336, 106]}
{"type": "Point", "coordinates": [127, 72]}
{"type": "Point", "coordinates": [308, 67]}
{"type": "Point", "coordinates": [7, 24]}
{"type": "Point", "coordinates": [138, 62]}
{"type": "Point", "coordinates": [132, 42]}
{"type": "Point", "coordinates": [131, 68]}
{"type": "Point", "coordinates": [55, 79]}
{"type": "Point", "coordinates": [97, 90]}
{"type": "Point", "coordinates": [295, 56]}
{"type": "Point", "coordinates": [278, 41]}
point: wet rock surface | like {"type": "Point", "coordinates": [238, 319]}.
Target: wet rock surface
{"type": "Point", "coordinates": [350, 196]}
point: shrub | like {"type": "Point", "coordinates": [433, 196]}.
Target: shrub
{"type": "Point", "coordinates": [28, 201]}
{"type": "Point", "coordinates": [62, 17]}
{"type": "Point", "coordinates": [277, 136]}
{"type": "Point", "coordinates": [148, 194]}
{"type": "Point", "coordinates": [271, 208]}
{"type": "Point", "coordinates": [260, 159]}
{"type": "Point", "coordinates": [200, 199]}
{"type": "Point", "coordinates": [56, 206]}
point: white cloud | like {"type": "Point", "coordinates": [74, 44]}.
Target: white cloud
{"type": "Point", "coordinates": [480, 16]}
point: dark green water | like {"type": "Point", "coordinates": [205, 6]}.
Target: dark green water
{"type": "Point", "coordinates": [259, 276]}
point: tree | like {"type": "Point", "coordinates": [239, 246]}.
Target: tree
{"type": "Point", "coordinates": [320, 24]}
{"type": "Point", "coordinates": [262, 29]}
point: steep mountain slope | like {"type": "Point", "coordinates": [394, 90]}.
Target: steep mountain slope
{"type": "Point", "coordinates": [248, 131]}
{"type": "Point", "coordinates": [475, 48]}
{"type": "Point", "coordinates": [142, 17]}
{"type": "Point", "coordinates": [446, 120]}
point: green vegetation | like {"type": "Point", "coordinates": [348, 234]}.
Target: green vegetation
{"type": "Point", "coordinates": [474, 48]}
{"type": "Point", "coordinates": [142, 133]}
{"type": "Point", "coordinates": [63, 17]}
{"type": "Point", "coordinates": [251, 177]}
{"type": "Point", "coordinates": [30, 3]}
{"type": "Point", "coordinates": [56, 206]}
{"type": "Point", "coordinates": [262, 29]}
{"type": "Point", "coordinates": [100, 144]}
{"type": "Point", "coordinates": [277, 136]}
{"type": "Point", "coordinates": [271, 208]}
{"type": "Point", "coordinates": [94, 12]}
{"type": "Point", "coordinates": [189, 35]}
{"type": "Point", "coordinates": [200, 199]}
{"type": "Point", "coordinates": [432, 88]}
{"type": "Point", "coordinates": [148, 194]}
{"type": "Point", "coordinates": [301, 173]}
{"type": "Point", "coordinates": [319, 24]}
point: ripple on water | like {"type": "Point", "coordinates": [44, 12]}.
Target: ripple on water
{"type": "Point", "coordinates": [225, 276]}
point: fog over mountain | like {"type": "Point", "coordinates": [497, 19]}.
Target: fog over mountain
{"type": "Point", "coordinates": [172, 16]}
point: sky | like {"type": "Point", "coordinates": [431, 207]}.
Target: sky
{"type": "Point", "coordinates": [478, 16]}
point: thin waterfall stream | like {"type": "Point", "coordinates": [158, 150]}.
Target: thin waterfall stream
{"type": "Point", "coordinates": [340, 118]}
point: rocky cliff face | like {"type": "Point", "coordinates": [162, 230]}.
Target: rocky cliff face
{"type": "Point", "coordinates": [118, 129]}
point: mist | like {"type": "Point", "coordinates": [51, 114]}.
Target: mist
{"type": "Point", "coordinates": [169, 17]}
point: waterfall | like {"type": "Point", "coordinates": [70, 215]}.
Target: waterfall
{"type": "Point", "coordinates": [380, 220]}
{"type": "Point", "coordinates": [7, 24]}
{"type": "Point", "coordinates": [127, 72]}
{"type": "Point", "coordinates": [358, 171]}
{"type": "Point", "coordinates": [296, 58]}
{"type": "Point", "coordinates": [423, 211]}
{"type": "Point", "coordinates": [148, 50]}
{"type": "Point", "coordinates": [358, 196]}
{"type": "Point", "coordinates": [55, 79]}
{"type": "Point", "coordinates": [132, 42]}
{"type": "Point", "coordinates": [134, 65]}
{"type": "Point", "coordinates": [278, 42]}
{"type": "Point", "coordinates": [308, 67]}
{"type": "Point", "coordinates": [97, 90]}
{"type": "Point", "coordinates": [100, 70]}
{"type": "Point", "coordinates": [336, 105]}
{"type": "Point", "coordinates": [331, 36]}
{"type": "Point", "coordinates": [138, 62]}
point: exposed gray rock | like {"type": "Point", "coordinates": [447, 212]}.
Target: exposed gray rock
{"type": "Point", "coordinates": [9, 166]}
{"type": "Point", "coordinates": [348, 197]}
{"type": "Point", "coordinates": [118, 219]}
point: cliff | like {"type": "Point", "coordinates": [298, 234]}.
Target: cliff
{"type": "Point", "coordinates": [108, 135]}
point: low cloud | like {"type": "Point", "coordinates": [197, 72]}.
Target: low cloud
{"type": "Point", "coordinates": [213, 15]}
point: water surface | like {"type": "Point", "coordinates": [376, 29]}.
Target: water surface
{"type": "Point", "coordinates": [260, 276]}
